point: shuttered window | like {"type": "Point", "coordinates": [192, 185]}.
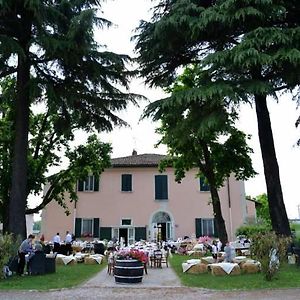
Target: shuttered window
{"type": "Point", "coordinates": [91, 183]}
{"type": "Point", "coordinates": [205, 227]}
{"type": "Point", "coordinates": [126, 183]}
{"type": "Point", "coordinates": [161, 187]}
{"type": "Point", "coordinates": [204, 186]}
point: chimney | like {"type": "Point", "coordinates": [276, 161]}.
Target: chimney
{"type": "Point", "coordinates": [134, 152]}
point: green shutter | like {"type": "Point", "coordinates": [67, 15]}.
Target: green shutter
{"type": "Point", "coordinates": [96, 228]}
{"type": "Point", "coordinates": [161, 187]}
{"type": "Point", "coordinates": [96, 183]}
{"type": "Point", "coordinates": [80, 185]}
{"type": "Point", "coordinates": [105, 233]}
{"type": "Point", "coordinates": [204, 187]}
{"type": "Point", "coordinates": [140, 233]}
{"type": "Point", "coordinates": [198, 227]}
{"type": "Point", "coordinates": [78, 222]}
{"type": "Point", "coordinates": [126, 183]}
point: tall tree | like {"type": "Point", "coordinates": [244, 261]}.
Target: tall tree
{"type": "Point", "coordinates": [250, 50]}
{"type": "Point", "coordinates": [200, 133]}
{"type": "Point", "coordinates": [48, 145]}
{"type": "Point", "coordinates": [48, 47]}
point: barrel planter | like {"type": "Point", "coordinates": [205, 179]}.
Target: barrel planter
{"type": "Point", "coordinates": [128, 271]}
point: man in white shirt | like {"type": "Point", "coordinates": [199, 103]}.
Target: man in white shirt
{"type": "Point", "coordinates": [56, 243]}
{"type": "Point", "coordinates": [68, 241]}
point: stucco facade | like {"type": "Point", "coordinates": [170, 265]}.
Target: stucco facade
{"type": "Point", "coordinates": [132, 215]}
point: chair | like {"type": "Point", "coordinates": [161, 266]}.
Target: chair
{"type": "Point", "coordinates": [157, 258]}
{"type": "Point", "coordinates": [37, 263]}
{"type": "Point", "coordinates": [50, 264]}
{"type": "Point", "coordinates": [164, 259]}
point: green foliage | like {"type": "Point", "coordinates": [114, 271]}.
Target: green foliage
{"type": "Point", "coordinates": [50, 135]}
{"type": "Point", "coordinates": [91, 158]}
{"type": "Point", "coordinates": [37, 225]}
{"type": "Point", "coordinates": [262, 208]}
{"type": "Point", "coordinates": [253, 229]}
{"type": "Point", "coordinates": [199, 133]}
{"type": "Point", "coordinates": [48, 49]}
{"type": "Point", "coordinates": [8, 249]}
{"type": "Point", "coordinates": [245, 51]}
{"type": "Point", "coordinates": [262, 244]}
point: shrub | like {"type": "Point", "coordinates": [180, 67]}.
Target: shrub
{"type": "Point", "coordinates": [269, 249]}
{"type": "Point", "coordinates": [8, 248]}
{"type": "Point", "coordinates": [253, 229]}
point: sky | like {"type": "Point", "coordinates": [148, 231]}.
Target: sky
{"type": "Point", "coordinates": [141, 135]}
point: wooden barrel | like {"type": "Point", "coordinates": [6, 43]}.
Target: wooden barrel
{"type": "Point", "coordinates": [128, 271]}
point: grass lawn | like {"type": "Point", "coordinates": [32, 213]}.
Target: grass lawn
{"type": "Point", "coordinates": [65, 277]}
{"type": "Point", "coordinates": [287, 277]}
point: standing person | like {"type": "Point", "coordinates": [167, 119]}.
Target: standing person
{"type": "Point", "coordinates": [56, 243]}
{"type": "Point", "coordinates": [68, 242]}
{"type": "Point", "coordinates": [219, 246]}
{"type": "Point", "coordinates": [25, 248]}
{"type": "Point", "coordinates": [214, 251]}
{"type": "Point", "coordinates": [229, 252]}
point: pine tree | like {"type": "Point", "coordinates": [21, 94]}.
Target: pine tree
{"type": "Point", "coordinates": [250, 50]}
{"type": "Point", "coordinates": [48, 47]}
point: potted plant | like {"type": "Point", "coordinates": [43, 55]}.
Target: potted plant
{"type": "Point", "coordinates": [129, 266]}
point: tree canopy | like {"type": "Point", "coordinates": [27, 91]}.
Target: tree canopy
{"type": "Point", "coordinates": [200, 133]}
{"type": "Point", "coordinates": [249, 51]}
{"type": "Point", "coordinates": [49, 49]}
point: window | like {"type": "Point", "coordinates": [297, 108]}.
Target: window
{"type": "Point", "coordinates": [204, 186]}
{"type": "Point", "coordinates": [88, 184]}
{"type": "Point", "coordinates": [87, 227]}
{"type": "Point", "coordinates": [126, 183]}
{"type": "Point", "coordinates": [161, 187]}
{"type": "Point", "coordinates": [208, 227]}
{"type": "Point", "coordinates": [91, 183]}
{"type": "Point", "coordinates": [126, 222]}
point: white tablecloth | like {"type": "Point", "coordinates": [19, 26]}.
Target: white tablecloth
{"type": "Point", "coordinates": [227, 267]}
{"type": "Point", "coordinates": [189, 263]}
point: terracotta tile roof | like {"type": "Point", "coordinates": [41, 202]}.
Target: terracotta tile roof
{"type": "Point", "coordinates": [141, 160]}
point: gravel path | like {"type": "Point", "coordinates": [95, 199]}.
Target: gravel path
{"type": "Point", "coordinates": [158, 284]}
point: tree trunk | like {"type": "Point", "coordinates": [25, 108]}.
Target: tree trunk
{"type": "Point", "coordinates": [18, 196]}
{"type": "Point", "coordinates": [221, 228]}
{"type": "Point", "coordinates": [279, 219]}
{"type": "Point", "coordinates": [208, 172]}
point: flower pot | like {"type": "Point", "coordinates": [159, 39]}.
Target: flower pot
{"type": "Point", "coordinates": [128, 271]}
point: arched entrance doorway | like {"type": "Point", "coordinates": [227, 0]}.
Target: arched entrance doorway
{"type": "Point", "coordinates": [162, 227]}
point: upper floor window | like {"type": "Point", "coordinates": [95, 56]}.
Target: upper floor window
{"type": "Point", "coordinates": [91, 183]}
{"type": "Point", "coordinates": [204, 186]}
{"type": "Point", "coordinates": [161, 187]}
{"type": "Point", "coordinates": [126, 222]}
{"type": "Point", "coordinates": [126, 183]}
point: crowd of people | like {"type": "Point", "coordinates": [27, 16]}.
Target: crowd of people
{"type": "Point", "coordinates": [30, 246]}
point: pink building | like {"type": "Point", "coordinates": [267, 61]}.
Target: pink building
{"type": "Point", "coordinates": [133, 201]}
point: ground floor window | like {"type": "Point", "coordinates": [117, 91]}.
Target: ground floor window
{"type": "Point", "coordinates": [208, 227]}
{"type": "Point", "coordinates": [87, 227]}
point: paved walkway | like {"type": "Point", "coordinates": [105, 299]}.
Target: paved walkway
{"type": "Point", "coordinates": [158, 284]}
{"type": "Point", "coordinates": [164, 277]}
